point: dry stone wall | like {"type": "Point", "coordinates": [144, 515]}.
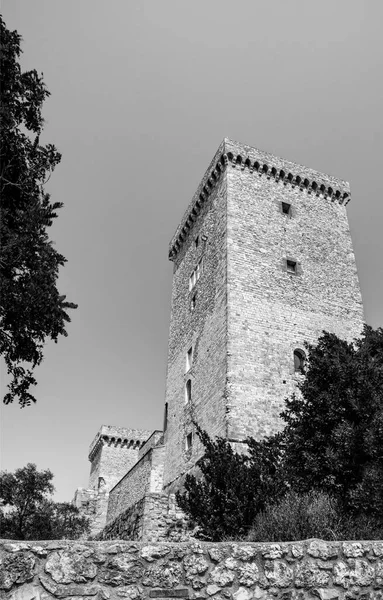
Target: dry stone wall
{"type": "Point", "coordinates": [199, 571]}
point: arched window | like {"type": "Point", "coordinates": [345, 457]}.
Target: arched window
{"type": "Point", "coordinates": [299, 361]}
{"type": "Point", "coordinates": [188, 391]}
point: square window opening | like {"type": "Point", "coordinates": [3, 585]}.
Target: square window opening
{"type": "Point", "coordinates": [291, 266]}
{"type": "Point", "coordinates": [286, 208]}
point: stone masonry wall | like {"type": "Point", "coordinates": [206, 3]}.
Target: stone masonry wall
{"type": "Point", "coordinates": [271, 312]}
{"type": "Point", "coordinates": [113, 452]}
{"type": "Point", "coordinates": [94, 505]}
{"type": "Point", "coordinates": [203, 329]}
{"type": "Point", "coordinates": [154, 518]}
{"type": "Point", "coordinates": [144, 477]}
{"type": "Point", "coordinates": [154, 440]}
{"type": "Point", "coordinates": [231, 571]}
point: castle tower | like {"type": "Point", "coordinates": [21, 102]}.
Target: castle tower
{"type": "Point", "coordinates": [112, 453]}
{"type": "Point", "coordinates": [263, 262]}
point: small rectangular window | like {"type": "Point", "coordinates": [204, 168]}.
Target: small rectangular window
{"type": "Point", "coordinates": [286, 208]}
{"type": "Point", "coordinates": [189, 358]}
{"type": "Point", "coordinates": [291, 266]}
{"type": "Point", "coordinates": [188, 391]}
{"type": "Point", "coordinates": [195, 275]}
{"type": "Point", "coordinates": [193, 302]}
{"type": "Point", "coordinates": [189, 441]}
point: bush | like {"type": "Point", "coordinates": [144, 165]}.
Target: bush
{"type": "Point", "coordinates": [314, 514]}
{"type": "Point", "coordinates": [231, 488]}
{"type": "Point", "coordinates": [297, 517]}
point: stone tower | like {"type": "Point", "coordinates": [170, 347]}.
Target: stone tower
{"type": "Point", "coordinates": [263, 262]}
{"type": "Point", "coordinates": [112, 453]}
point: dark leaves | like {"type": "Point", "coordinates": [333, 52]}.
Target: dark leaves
{"type": "Point", "coordinates": [28, 513]}
{"type": "Point", "coordinates": [31, 308]}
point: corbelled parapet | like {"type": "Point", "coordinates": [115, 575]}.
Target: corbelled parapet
{"type": "Point", "coordinates": [262, 164]}
{"type": "Point", "coordinates": [118, 437]}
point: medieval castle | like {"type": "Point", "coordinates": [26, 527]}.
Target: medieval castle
{"type": "Point", "coordinates": [263, 262]}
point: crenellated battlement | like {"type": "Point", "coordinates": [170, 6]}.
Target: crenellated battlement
{"type": "Point", "coordinates": [117, 437]}
{"type": "Point", "coordinates": [263, 164]}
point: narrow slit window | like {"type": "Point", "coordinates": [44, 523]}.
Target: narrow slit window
{"type": "Point", "coordinates": [189, 441]}
{"type": "Point", "coordinates": [196, 241]}
{"type": "Point", "coordinates": [189, 358]}
{"type": "Point", "coordinates": [286, 208]}
{"type": "Point", "coordinates": [291, 266]}
{"type": "Point", "coordinates": [195, 275]}
{"type": "Point", "coordinates": [299, 362]}
{"type": "Point", "coordinates": [193, 302]}
{"type": "Point", "coordinates": [188, 391]}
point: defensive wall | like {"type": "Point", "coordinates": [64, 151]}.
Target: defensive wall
{"type": "Point", "coordinates": [194, 570]}
{"type": "Point", "coordinates": [146, 476]}
{"type": "Point", "coordinates": [262, 262]}
{"type": "Point", "coordinates": [112, 453]}
{"type": "Point", "coordinates": [153, 518]}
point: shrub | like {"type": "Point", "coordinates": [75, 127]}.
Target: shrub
{"type": "Point", "coordinates": [297, 517]}
{"type": "Point", "coordinates": [314, 514]}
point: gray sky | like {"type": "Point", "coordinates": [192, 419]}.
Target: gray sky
{"type": "Point", "coordinates": [142, 94]}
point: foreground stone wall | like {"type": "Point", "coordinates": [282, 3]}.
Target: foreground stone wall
{"type": "Point", "coordinates": [238, 571]}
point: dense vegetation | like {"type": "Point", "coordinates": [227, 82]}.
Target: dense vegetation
{"type": "Point", "coordinates": [322, 476]}
{"type": "Point", "coordinates": [31, 307]}
{"type": "Point", "coordinates": [28, 513]}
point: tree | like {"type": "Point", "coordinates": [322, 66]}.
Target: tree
{"type": "Point", "coordinates": [331, 449]}
{"type": "Point", "coordinates": [29, 513]}
{"type": "Point", "coordinates": [31, 308]}
{"type": "Point", "coordinates": [334, 427]}
{"type": "Point", "coordinates": [233, 487]}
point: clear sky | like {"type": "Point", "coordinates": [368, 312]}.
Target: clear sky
{"type": "Point", "coordinates": [143, 91]}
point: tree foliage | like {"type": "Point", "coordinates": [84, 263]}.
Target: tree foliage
{"type": "Point", "coordinates": [233, 486]}
{"type": "Point", "coordinates": [334, 427]}
{"type": "Point", "coordinates": [28, 513]}
{"type": "Point", "coordinates": [31, 308]}
{"type": "Point", "coordinates": [332, 445]}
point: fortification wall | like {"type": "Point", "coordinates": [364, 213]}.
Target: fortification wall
{"type": "Point", "coordinates": [146, 476]}
{"type": "Point", "coordinates": [155, 439]}
{"type": "Point", "coordinates": [94, 505]}
{"type": "Point", "coordinates": [154, 518]}
{"type": "Point", "coordinates": [202, 327]}
{"type": "Point", "coordinates": [231, 571]}
{"type": "Point", "coordinates": [112, 453]}
{"type": "Point", "coordinates": [272, 312]}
